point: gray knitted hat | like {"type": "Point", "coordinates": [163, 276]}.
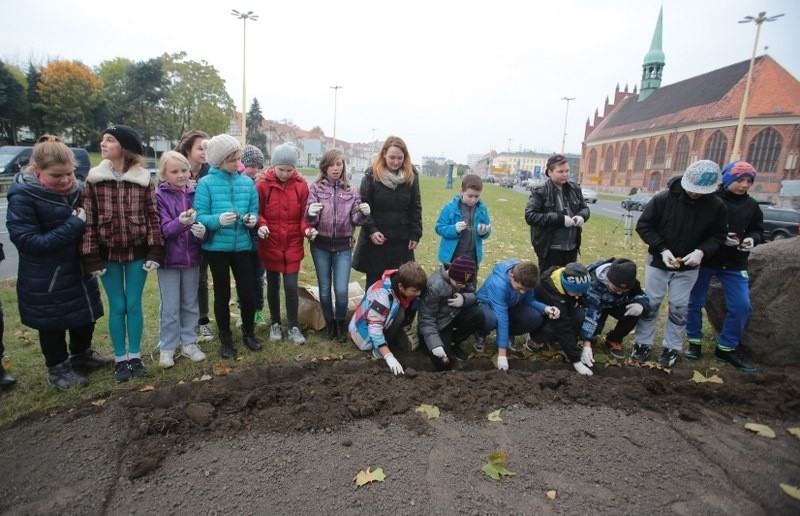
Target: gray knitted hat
{"type": "Point", "coordinates": [285, 154]}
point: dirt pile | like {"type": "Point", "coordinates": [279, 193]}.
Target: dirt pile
{"type": "Point", "coordinates": [772, 333]}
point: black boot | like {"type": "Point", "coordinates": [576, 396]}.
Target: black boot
{"type": "Point", "coordinates": [6, 380]}
{"type": "Point", "coordinates": [341, 331]}
{"type": "Point", "coordinates": [251, 341]}
{"type": "Point", "coordinates": [330, 329]}
{"type": "Point", "coordinates": [226, 349]}
{"type": "Point", "coordinates": [735, 359]}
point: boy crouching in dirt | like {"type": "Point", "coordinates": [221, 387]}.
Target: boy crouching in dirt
{"type": "Point", "coordinates": [449, 312]}
{"type": "Point", "coordinates": [382, 311]}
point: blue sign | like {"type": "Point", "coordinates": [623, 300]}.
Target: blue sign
{"type": "Point", "coordinates": [537, 171]}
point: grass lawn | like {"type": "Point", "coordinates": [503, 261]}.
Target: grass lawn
{"type": "Point", "coordinates": [510, 239]}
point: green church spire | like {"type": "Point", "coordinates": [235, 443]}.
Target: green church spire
{"type": "Point", "coordinates": [653, 65]}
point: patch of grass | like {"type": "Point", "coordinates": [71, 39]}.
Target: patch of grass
{"type": "Point", "coordinates": [510, 239]}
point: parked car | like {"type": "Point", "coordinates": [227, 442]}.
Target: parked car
{"type": "Point", "coordinates": [489, 179]}
{"type": "Point", "coordinates": [780, 223]}
{"type": "Point", "coordinates": [636, 202]}
{"type": "Point", "coordinates": [589, 195]}
{"type": "Point", "coordinates": [14, 158]}
{"type": "Point", "coordinates": [508, 182]}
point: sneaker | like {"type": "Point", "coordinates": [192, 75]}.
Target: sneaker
{"type": "Point", "coordinates": [137, 367]}
{"type": "Point", "coordinates": [615, 348]}
{"type": "Point", "coordinates": [204, 333]}
{"type": "Point", "coordinates": [166, 358]}
{"type": "Point", "coordinates": [458, 353]}
{"type": "Point", "coordinates": [512, 345]}
{"type": "Point", "coordinates": [90, 359]}
{"type": "Point", "coordinates": [640, 353]}
{"type": "Point", "coordinates": [122, 371]}
{"type": "Point", "coordinates": [193, 352]}
{"type": "Point", "coordinates": [733, 358]}
{"type": "Point", "coordinates": [295, 336]}
{"type": "Point", "coordinates": [63, 377]}
{"type": "Point", "coordinates": [260, 319]}
{"type": "Point", "coordinates": [275, 332]}
{"type": "Point", "coordinates": [479, 344]}
{"type": "Point", "coordinates": [534, 347]}
{"type": "Point", "coordinates": [668, 357]}
{"type": "Point", "coordinates": [694, 351]}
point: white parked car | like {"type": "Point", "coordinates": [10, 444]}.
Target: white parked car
{"type": "Point", "coordinates": [589, 195]}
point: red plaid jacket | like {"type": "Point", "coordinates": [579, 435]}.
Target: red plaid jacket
{"type": "Point", "coordinates": [122, 221]}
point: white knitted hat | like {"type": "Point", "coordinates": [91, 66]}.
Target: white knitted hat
{"type": "Point", "coordinates": [220, 147]}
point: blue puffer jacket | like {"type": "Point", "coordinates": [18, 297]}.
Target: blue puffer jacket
{"type": "Point", "coordinates": [446, 228]}
{"type": "Point", "coordinates": [217, 193]}
{"type": "Point", "coordinates": [53, 291]}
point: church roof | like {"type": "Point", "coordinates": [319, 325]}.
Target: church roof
{"type": "Point", "coordinates": [716, 95]}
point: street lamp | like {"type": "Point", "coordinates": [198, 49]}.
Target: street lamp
{"type": "Point", "coordinates": [335, 94]}
{"type": "Point", "coordinates": [758, 20]}
{"type": "Point", "coordinates": [244, 17]}
{"type": "Point", "coordinates": [566, 114]}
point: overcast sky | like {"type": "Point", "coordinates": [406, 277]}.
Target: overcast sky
{"type": "Point", "coordinates": [450, 77]}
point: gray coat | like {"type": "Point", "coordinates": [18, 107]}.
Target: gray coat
{"type": "Point", "coordinates": [434, 313]}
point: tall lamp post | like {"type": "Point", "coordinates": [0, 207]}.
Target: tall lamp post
{"type": "Point", "coordinates": [758, 20]}
{"type": "Point", "coordinates": [244, 17]}
{"type": "Point", "coordinates": [566, 114]}
{"type": "Point", "coordinates": [335, 94]}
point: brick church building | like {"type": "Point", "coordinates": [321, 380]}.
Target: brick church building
{"type": "Point", "coordinates": [642, 139]}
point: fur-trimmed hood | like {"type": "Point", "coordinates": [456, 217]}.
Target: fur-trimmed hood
{"type": "Point", "coordinates": [102, 172]}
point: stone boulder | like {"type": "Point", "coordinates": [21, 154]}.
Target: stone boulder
{"type": "Point", "coordinates": [773, 333]}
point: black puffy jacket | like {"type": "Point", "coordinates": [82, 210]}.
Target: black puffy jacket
{"type": "Point", "coordinates": [544, 219]}
{"type": "Point", "coordinates": [747, 221]}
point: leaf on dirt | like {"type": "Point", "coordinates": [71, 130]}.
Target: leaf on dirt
{"type": "Point", "coordinates": [23, 337]}
{"type": "Point", "coordinates": [366, 477]}
{"type": "Point", "coordinates": [431, 410]}
{"type": "Point", "coordinates": [53, 412]}
{"type": "Point", "coordinates": [204, 378]}
{"type": "Point", "coordinates": [699, 378]}
{"type": "Point", "coordinates": [790, 490]}
{"type": "Point", "coordinates": [222, 369]}
{"type": "Point", "coordinates": [496, 467]}
{"type": "Point", "coordinates": [795, 431]}
{"type": "Point", "coordinates": [494, 416]}
{"type": "Point", "coordinates": [147, 388]}
{"type": "Point", "coordinates": [761, 430]}
{"type": "Point", "coordinates": [551, 495]}
{"type": "Point", "coordinates": [99, 403]}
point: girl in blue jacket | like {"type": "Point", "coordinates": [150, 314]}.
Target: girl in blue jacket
{"type": "Point", "coordinates": [55, 295]}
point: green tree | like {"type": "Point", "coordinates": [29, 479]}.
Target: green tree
{"type": "Point", "coordinates": [116, 79]}
{"type": "Point", "coordinates": [147, 84]}
{"type": "Point", "coordinates": [69, 96]}
{"type": "Point", "coordinates": [255, 134]}
{"type": "Point", "coordinates": [35, 118]}
{"type": "Point", "coordinates": [13, 102]}
{"type": "Point", "coordinates": [195, 97]}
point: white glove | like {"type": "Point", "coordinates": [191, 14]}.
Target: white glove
{"type": "Point", "coordinates": [552, 312]}
{"type": "Point", "coordinates": [97, 274]}
{"type": "Point", "coordinates": [587, 357]}
{"type": "Point", "coordinates": [186, 219]}
{"type": "Point", "coordinates": [483, 229]}
{"type": "Point", "coordinates": [732, 240]}
{"type": "Point", "coordinates": [394, 365]}
{"type": "Point", "coordinates": [669, 259]}
{"type": "Point", "coordinates": [582, 369]}
{"type": "Point", "coordinates": [365, 209]}
{"type": "Point", "coordinates": [634, 309]}
{"type": "Point", "coordinates": [568, 222]}
{"type": "Point", "coordinates": [198, 230]}
{"type": "Point", "coordinates": [502, 363]}
{"type": "Point", "coordinates": [456, 300]}
{"type": "Point", "coordinates": [263, 232]}
{"type": "Point", "coordinates": [311, 233]}
{"type": "Point", "coordinates": [149, 265]}
{"type": "Point", "coordinates": [314, 208]}
{"type": "Point", "coordinates": [80, 213]}
{"type": "Point", "coordinates": [438, 351]}
{"type": "Point", "coordinates": [250, 220]}
{"type": "Point", "coordinates": [227, 218]}
{"type": "Point", "coordinates": [460, 226]}
{"type": "Point", "coordinates": [693, 259]}
{"type": "Point", "coordinates": [578, 220]}
{"type": "Point", "coordinates": [747, 244]}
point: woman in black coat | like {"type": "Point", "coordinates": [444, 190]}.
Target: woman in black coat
{"type": "Point", "coordinates": [55, 296]}
{"type": "Point", "coordinates": [394, 228]}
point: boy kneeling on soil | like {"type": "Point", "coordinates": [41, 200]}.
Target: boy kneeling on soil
{"type": "Point", "coordinates": [449, 312]}
{"type": "Point", "coordinates": [382, 312]}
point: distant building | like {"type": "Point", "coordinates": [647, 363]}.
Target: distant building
{"type": "Point", "coordinates": [642, 139]}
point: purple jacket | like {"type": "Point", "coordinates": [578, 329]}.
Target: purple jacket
{"type": "Point", "coordinates": [339, 217]}
{"type": "Point", "coordinates": [182, 247]}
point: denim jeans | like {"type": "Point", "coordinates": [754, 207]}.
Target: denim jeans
{"type": "Point", "coordinates": [336, 265]}
{"type": "Point", "coordinates": [736, 287]}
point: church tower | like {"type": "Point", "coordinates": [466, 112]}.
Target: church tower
{"type": "Point", "coordinates": [653, 64]}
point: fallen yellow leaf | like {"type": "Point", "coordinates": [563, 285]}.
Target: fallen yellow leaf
{"type": "Point", "coordinates": [496, 466]}
{"type": "Point", "coordinates": [790, 490]}
{"type": "Point", "coordinates": [204, 378]}
{"type": "Point", "coordinates": [147, 388]}
{"type": "Point", "coordinates": [431, 410]}
{"type": "Point", "coordinates": [761, 430]}
{"type": "Point", "coordinates": [795, 431]}
{"type": "Point", "coordinates": [222, 369]}
{"type": "Point", "coordinates": [699, 378]}
{"type": "Point", "coordinates": [551, 494]}
{"type": "Point", "coordinates": [494, 416]}
{"type": "Point", "coordinates": [99, 403]}
{"type": "Point", "coordinates": [366, 477]}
